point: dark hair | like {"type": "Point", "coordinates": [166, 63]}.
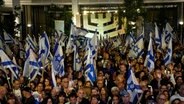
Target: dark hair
{"type": "Point", "coordinates": [96, 96]}
{"type": "Point", "coordinates": [175, 100]}
{"type": "Point", "coordinates": [62, 94]}
{"type": "Point", "coordinates": [12, 96]}
{"type": "Point", "coordinates": [45, 100]}
{"type": "Point", "coordinates": [27, 89]}
{"type": "Point", "coordinates": [72, 94]}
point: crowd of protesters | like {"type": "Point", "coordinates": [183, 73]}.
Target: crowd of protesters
{"type": "Point", "coordinates": [164, 85]}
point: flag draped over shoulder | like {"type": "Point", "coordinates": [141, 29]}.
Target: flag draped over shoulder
{"type": "Point", "coordinates": [133, 87]}
{"type": "Point", "coordinates": [44, 49]}
{"type": "Point", "coordinates": [168, 55]}
{"type": "Point", "coordinates": [31, 66]}
{"type": "Point", "coordinates": [57, 62]}
{"type": "Point", "coordinates": [149, 61]}
{"type": "Point", "coordinates": [6, 62]}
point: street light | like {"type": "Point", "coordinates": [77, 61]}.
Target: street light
{"type": "Point", "coordinates": [181, 22]}
{"type": "Point", "coordinates": [29, 28]}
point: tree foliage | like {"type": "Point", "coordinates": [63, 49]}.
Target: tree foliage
{"type": "Point", "coordinates": [133, 9]}
{"type": "Point", "coordinates": [61, 13]}
{"type": "Point", "coordinates": [1, 2]}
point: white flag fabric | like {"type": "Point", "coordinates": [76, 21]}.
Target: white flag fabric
{"type": "Point", "coordinates": [8, 38]}
{"type": "Point", "coordinates": [31, 43]}
{"type": "Point", "coordinates": [149, 61]}
{"type": "Point", "coordinates": [31, 66]}
{"type": "Point", "coordinates": [77, 60]}
{"type": "Point", "coordinates": [137, 48]}
{"type": "Point", "coordinates": [133, 87]}
{"type": "Point", "coordinates": [57, 62]}
{"type": "Point", "coordinates": [90, 73]}
{"type": "Point", "coordinates": [158, 38]}
{"type": "Point", "coordinates": [163, 40]}
{"type": "Point", "coordinates": [6, 62]}
{"type": "Point", "coordinates": [168, 56]}
{"type": "Point", "coordinates": [44, 50]}
{"type": "Point", "coordinates": [70, 44]}
{"type": "Point", "coordinates": [168, 32]}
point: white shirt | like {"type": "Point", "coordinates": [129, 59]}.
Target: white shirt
{"type": "Point", "coordinates": [176, 96]}
{"type": "Point", "coordinates": [17, 93]}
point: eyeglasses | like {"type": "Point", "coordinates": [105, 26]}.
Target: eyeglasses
{"type": "Point", "coordinates": [162, 99]}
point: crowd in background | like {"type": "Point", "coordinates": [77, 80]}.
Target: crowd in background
{"type": "Point", "coordinates": [164, 85]}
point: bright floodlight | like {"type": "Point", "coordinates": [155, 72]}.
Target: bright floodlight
{"type": "Point", "coordinates": [85, 12]}
{"type": "Point", "coordinates": [181, 22]}
{"type": "Point", "coordinates": [28, 25]}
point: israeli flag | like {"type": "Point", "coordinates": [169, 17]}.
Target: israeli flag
{"type": "Point", "coordinates": [168, 32]}
{"type": "Point", "coordinates": [149, 61]}
{"type": "Point", "coordinates": [81, 32]}
{"type": "Point", "coordinates": [8, 38]}
{"type": "Point", "coordinates": [158, 38]}
{"type": "Point", "coordinates": [130, 39]}
{"type": "Point", "coordinates": [44, 49]}
{"type": "Point", "coordinates": [31, 66]}
{"type": "Point", "coordinates": [70, 44]}
{"type": "Point", "coordinates": [7, 63]}
{"type": "Point", "coordinates": [168, 56]}
{"type": "Point", "coordinates": [31, 43]}
{"type": "Point", "coordinates": [57, 62]}
{"type": "Point", "coordinates": [133, 87]}
{"type": "Point", "coordinates": [137, 48]}
{"type": "Point", "coordinates": [164, 44]}
{"type": "Point", "coordinates": [94, 44]}
{"type": "Point", "coordinates": [90, 70]}
{"type": "Point", "coordinates": [77, 60]}
{"type": "Point", "coordinates": [58, 59]}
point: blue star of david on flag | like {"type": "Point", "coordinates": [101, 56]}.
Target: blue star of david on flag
{"type": "Point", "coordinates": [133, 86]}
{"type": "Point", "coordinates": [58, 58]}
{"type": "Point", "coordinates": [136, 48]}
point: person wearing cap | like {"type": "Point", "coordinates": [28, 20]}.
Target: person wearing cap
{"type": "Point", "coordinates": [125, 97]}
{"type": "Point", "coordinates": [29, 99]}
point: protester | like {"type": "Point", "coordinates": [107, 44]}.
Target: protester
{"type": "Point", "coordinates": [111, 75]}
